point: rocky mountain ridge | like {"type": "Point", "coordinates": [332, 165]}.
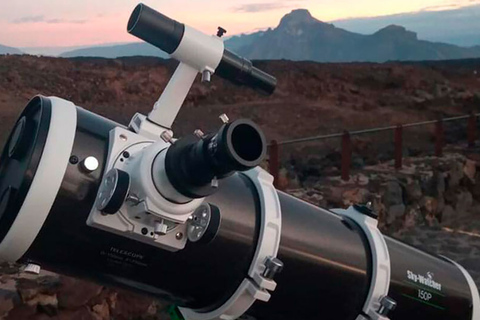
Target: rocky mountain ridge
{"type": "Point", "coordinates": [301, 37]}
{"type": "Point", "coordinates": [9, 50]}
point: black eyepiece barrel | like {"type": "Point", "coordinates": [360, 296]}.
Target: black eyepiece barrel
{"type": "Point", "coordinates": [192, 163]}
{"type": "Point", "coordinates": [155, 28]}
{"type": "Point", "coordinates": [167, 34]}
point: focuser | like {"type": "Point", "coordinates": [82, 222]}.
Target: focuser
{"type": "Point", "coordinates": [152, 189]}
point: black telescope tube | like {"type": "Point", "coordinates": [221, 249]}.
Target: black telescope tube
{"type": "Point", "coordinates": [166, 34]}
{"type": "Point", "coordinates": [192, 163]}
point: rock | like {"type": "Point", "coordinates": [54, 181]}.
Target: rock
{"type": "Point", "coordinates": [21, 312]}
{"type": "Point", "coordinates": [393, 193]}
{"type": "Point", "coordinates": [74, 293]}
{"type": "Point", "coordinates": [434, 184]}
{"type": "Point", "coordinates": [82, 313]}
{"type": "Point", "coordinates": [130, 305]}
{"type": "Point", "coordinates": [358, 163]}
{"type": "Point", "coordinates": [470, 169]}
{"type": "Point", "coordinates": [362, 179]}
{"type": "Point", "coordinates": [430, 204]}
{"type": "Point", "coordinates": [355, 196]}
{"type": "Point", "coordinates": [464, 202]}
{"type": "Point", "coordinates": [395, 213]}
{"type": "Point", "coordinates": [448, 215]}
{"type": "Point", "coordinates": [6, 304]}
{"type": "Point", "coordinates": [102, 311]}
{"type": "Point", "coordinates": [455, 175]}
{"type": "Point", "coordinates": [413, 218]}
{"type": "Point", "coordinates": [413, 192]}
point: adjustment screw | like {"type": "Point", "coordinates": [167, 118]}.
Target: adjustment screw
{"type": "Point", "coordinates": [166, 136]}
{"type": "Point", "coordinates": [199, 133]}
{"type": "Point", "coordinates": [90, 164]}
{"type": "Point", "coordinates": [160, 228]}
{"type": "Point", "coordinates": [273, 266]}
{"type": "Point", "coordinates": [214, 183]}
{"type": "Point", "coordinates": [32, 269]}
{"type": "Point", "coordinates": [387, 305]}
{"type": "Point", "coordinates": [206, 76]}
{"type": "Point", "coordinates": [224, 118]}
{"type": "Point", "coordinates": [221, 31]}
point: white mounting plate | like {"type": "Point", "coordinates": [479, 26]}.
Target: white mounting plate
{"type": "Point", "coordinates": [125, 223]}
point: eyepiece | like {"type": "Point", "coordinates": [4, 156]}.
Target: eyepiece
{"type": "Point", "coordinates": [192, 163]}
{"type": "Point", "coordinates": [155, 28]}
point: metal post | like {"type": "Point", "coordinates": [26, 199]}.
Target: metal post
{"type": "Point", "coordinates": [399, 147]}
{"type": "Point", "coordinates": [346, 155]}
{"type": "Point", "coordinates": [472, 130]}
{"type": "Point", "coordinates": [439, 141]}
{"type": "Point", "coordinates": [274, 162]}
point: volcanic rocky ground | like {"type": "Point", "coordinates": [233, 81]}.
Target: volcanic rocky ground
{"type": "Point", "coordinates": [432, 202]}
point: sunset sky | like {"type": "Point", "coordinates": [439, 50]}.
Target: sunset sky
{"type": "Point", "coordinates": [27, 23]}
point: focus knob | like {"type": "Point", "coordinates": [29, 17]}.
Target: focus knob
{"type": "Point", "coordinates": [113, 191]}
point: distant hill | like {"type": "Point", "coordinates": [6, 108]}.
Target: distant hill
{"type": "Point", "coordinates": [125, 50]}
{"type": "Point", "coordinates": [300, 37]}
{"type": "Point", "coordinates": [9, 50]}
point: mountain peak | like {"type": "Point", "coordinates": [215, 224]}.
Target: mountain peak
{"type": "Point", "coordinates": [396, 31]}
{"type": "Point", "coordinates": [298, 16]}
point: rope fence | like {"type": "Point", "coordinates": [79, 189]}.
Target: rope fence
{"type": "Point", "coordinates": [346, 143]}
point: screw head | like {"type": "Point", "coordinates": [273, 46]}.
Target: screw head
{"type": "Point", "coordinates": [179, 236]}
{"type": "Point", "coordinates": [224, 118]}
{"type": "Point", "coordinates": [272, 267]}
{"type": "Point", "coordinates": [73, 160]}
{"type": "Point", "coordinates": [387, 305]}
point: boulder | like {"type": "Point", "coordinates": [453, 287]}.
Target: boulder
{"type": "Point", "coordinates": [413, 192]}
{"type": "Point", "coordinates": [355, 196]}
{"type": "Point", "coordinates": [393, 193]}
{"type": "Point", "coordinates": [464, 202]}
{"type": "Point", "coordinates": [395, 213]}
{"type": "Point", "coordinates": [74, 293]}
{"type": "Point", "coordinates": [470, 169]}
{"type": "Point", "coordinates": [448, 215]}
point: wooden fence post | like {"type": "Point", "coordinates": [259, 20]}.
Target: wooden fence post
{"type": "Point", "coordinates": [399, 147]}
{"type": "Point", "coordinates": [274, 162]}
{"type": "Point", "coordinates": [346, 155]}
{"type": "Point", "coordinates": [472, 130]}
{"type": "Point", "coordinates": [439, 139]}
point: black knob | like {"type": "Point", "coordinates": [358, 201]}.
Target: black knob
{"type": "Point", "coordinates": [113, 191]}
{"type": "Point", "coordinates": [221, 32]}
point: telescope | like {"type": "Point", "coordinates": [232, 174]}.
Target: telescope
{"type": "Point", "coordinates": [194, 220]}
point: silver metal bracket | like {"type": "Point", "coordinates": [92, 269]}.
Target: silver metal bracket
{"type": "Point", "coordinates": [381, 267]}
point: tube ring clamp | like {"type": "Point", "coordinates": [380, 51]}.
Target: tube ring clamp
{"type": "Point", "coordinates": [255, 286]}
{"type": "Point", "coordinates": [381, 268]}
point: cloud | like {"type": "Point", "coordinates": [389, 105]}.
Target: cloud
{"type": "Point", "coordinates": [66, 21]}
{"type": "Point", "coordinates": [29, 19]}
{"type": "Point", "coordinates": [42, 19]}
{"type": "Point", "coordinates": [260, 7]}
{"type": "Point", "coordinates": [442, 7]}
